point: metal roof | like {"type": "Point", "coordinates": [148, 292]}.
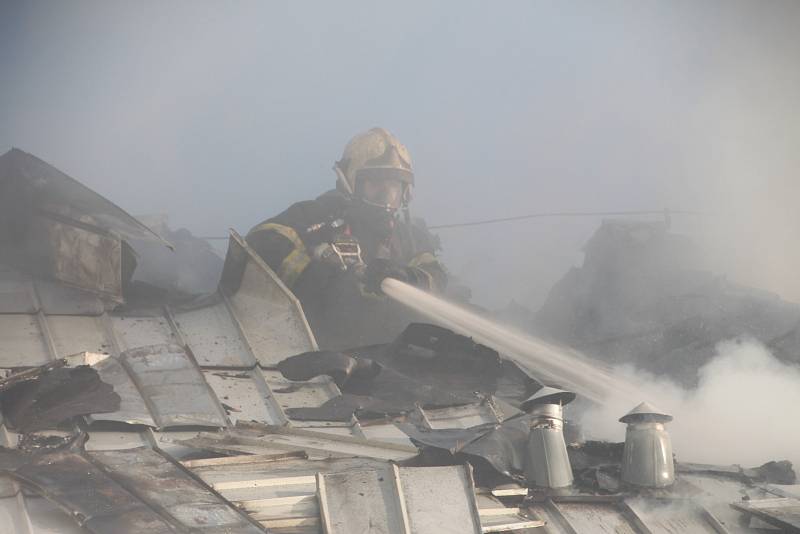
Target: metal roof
{"type": "Point", "coordinates": [198, 382]}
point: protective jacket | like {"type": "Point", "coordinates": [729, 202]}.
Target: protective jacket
{"type": "Point", "coordinates": [319, 248]}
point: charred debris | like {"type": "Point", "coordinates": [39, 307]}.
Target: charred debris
{"type": "Point", "coordinates": [129, 407]}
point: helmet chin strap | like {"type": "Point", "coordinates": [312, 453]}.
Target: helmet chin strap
{"type": "Point", "coordinates": [342, 180]}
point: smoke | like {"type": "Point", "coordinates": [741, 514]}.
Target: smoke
{"type": "Point", "coordinates": [744, 410]}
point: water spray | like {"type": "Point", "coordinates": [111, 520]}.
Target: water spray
{"type": "Point", "coordinates": [546, 361]}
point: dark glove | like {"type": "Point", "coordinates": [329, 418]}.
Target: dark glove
{"type": "Point", "coordinates": [378, 269]}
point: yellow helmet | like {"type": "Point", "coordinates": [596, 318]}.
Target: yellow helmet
{"type": "Point", "coordinates": [375, 155]}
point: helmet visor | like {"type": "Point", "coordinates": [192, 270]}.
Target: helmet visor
{"type": "Point", "coordinates": [387, 193]}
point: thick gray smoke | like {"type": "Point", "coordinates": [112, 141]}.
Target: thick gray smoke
{"type": "Point", "coordinates": [221, 116]}
{"type": "Point", "coordinates": [743, 411]}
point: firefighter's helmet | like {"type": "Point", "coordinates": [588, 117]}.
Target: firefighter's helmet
{"type": "Point", "coordinates": [376, 167]}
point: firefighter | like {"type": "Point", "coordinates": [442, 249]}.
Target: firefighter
{"type": "Point", "coordinates": [333, 252]}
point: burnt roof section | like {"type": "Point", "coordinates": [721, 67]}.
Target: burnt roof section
{"type": "Point", "coordinates": [38, 184]}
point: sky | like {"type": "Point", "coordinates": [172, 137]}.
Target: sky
{"type": "Point", "coordinates": [222, 114]}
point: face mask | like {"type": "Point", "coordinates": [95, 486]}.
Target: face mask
{"type": "Point", "coordinates": [370, 221]}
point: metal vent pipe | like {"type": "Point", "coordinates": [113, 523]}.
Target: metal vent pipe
{"type": "Point", "coordinates": [548, 463]}
{"type": "Point", "coordinates": [647, 459]}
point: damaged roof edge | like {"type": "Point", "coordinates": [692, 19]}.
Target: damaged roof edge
{"type": "Point", "coordinates": [17, 163]}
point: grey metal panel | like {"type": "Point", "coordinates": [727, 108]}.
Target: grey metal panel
{"type": "Point", "coordinates": [318, 444]}
{"type": "Point", "coordinates": [8, 487]}
{"type": "Point", "coordinates": [47, 518]}
{"type": "Point", "coordinates": [717, 492]}
{"type": "Point", "coordinates": [596, 518]}
{"type": "Point", "coordinates": [107, 440]}
{"type": "Point", "coordinates": [134, 332]}
{"type": "Point", "coordinates": [679, 517]}
{"type": "Point", "coordinates": [173, 387]}
{"type": "Point", "coordinates": [781, 512]}
{"type": "Point", "coordinates": [307, 394]}
{"type": "Point", "coordinates": [246, 394]}
{"type": "Point", "coordinates": [268, 313]}
{"type": "Point", "coordinates": [59, 299]}
{"type": "Point", "coordinates": [361, 501]}
{"type": "Point", "coordinates": [386, 432]}
{"type": "Point", "coordinates": [132, 408]}
{"type": "Point", "coordinates": [159, 386]}
{"type": "Point", "coordinates": [440, 500]}
{"type": "Point", "coordinates": [23, 343]}
{"type": "Point", "coordinates": [412, 500]}
{"type": "Point", "coordinates": [553, 521]}
{"type": "Point", "coordinates": [259, 481]}
{"type": "Point", "coordinates": [13, 518]}
{"type": "Point", "coordinates": [73, 334]}
{"type": "Point", "coordinates": [165, 486]}
{"type": "Point", "coordinates": [461, 416]}
{"type": "Point", "coordinates": [213, 336]}
{"type": "Point", "coordinates": [15, 292]}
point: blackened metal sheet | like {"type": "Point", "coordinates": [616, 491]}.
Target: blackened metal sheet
{"type": "Point", "coordinates": [85, 257]}
{"type": "Point", "coordinates": [57, 395]}
{"type": "Point", "coordinates": [500, 448]}
{"type": "Point", "coordinates": [170, 489]}
{"type": "Point", "coordinates": [94, 499]}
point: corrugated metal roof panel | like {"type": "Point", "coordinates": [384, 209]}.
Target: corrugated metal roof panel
{"type": "Point", "coordinates": [213, 336]}
{"type": "Point", "coordinates": [677, 517]}
{"type": "Point", "coordinates": [414, 500]}
{"type": "Point", "coordinates": [246, 395]}
{"type": "Point", "coordinates": [15, 292]}
{"type": "Point", "coordinates": [74, 333]}
{"type": "Point", "coordinates": [781, 512]}
{"type": "Point", "coordinates": [268, 313]}
{"type": "Point", "coordinates": [307, 394]}
{"type": "Point", "coordinates": [159, 386]}
{"type": "Point", "coordinates": [132, 332]}
{"type": "Point", "coordinates": [168, 487]}
{"type": "Point", "coordinates": [265, 440]}
{"type": "Point", "coordinates": [23, 342]}
{"type": "Point", "coordinates": [465, 416]}
{"type": "Point", "coordinates": [95, 500]}
{"type": "Point", "coordinates": [132, 408]}
{"type": "Point", "coordinates": [174, 389]}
